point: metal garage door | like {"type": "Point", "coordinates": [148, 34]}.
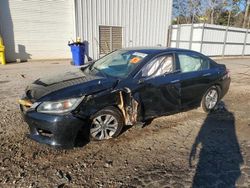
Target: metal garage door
{"type": "Point", "coordinates": [37, 29]}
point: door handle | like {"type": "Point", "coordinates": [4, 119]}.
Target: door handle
{"type": "Point", "coordinates": [207, 74]}
{"type": "Point", "coordinates": [174, 81]}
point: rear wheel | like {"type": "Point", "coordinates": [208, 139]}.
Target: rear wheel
{"type": "Point", "coordinates": [106, 124]}
{"type": "Point", "coordinates": [210, 99]}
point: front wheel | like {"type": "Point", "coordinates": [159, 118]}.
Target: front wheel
{"type": "Point", "coordinates": [106, 124]}
{"type": "Point", "coordinates": [210, 99]}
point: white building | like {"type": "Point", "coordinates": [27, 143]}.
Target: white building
{"type": "Point", "coordinates": [37, 29]}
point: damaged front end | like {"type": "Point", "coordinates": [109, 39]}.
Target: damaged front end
{"type": "Point", "coordinates": [123, 99]}
{"type": "Point", "coordinates": [25, 105]}
{"type": "Point", "coordinates": [128, 106]}
{"type": "Point", "coordinates": [60, 130]}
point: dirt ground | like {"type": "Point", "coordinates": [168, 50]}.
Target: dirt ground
{"type": "Point", "coordinates": [190, 149]}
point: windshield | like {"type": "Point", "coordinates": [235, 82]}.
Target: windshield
{"type": "Point", "coordinates": [119, 63]}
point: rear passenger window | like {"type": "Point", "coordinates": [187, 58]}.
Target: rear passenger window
{"type": "Point", "coordinates": [192, 62]}
{"type": "Point", "coordinates": [159, 66]}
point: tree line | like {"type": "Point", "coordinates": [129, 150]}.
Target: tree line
{"type": "Point", "coordinates": [221, 12]}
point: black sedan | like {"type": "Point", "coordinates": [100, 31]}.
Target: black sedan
{"type": "Point", "coordinates": [125, 87]}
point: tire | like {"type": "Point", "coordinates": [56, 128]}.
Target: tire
{"type": "Point", "coordinates": [106, 123]}
{"type": "Point", "coordinates": [210, 99]}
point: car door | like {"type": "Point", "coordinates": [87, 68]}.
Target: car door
{"type": "Point", "coordinates": [159, 87]}
{"type": "Point", "coordinates": [195, 76]}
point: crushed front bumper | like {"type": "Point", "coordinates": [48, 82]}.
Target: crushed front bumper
{"type": "Point", "coordinates": [55, 130]}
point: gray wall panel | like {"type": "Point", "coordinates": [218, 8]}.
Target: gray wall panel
{"type": "Point", "coordinates": [37, 29]}
{"type": "Point", "coordinates": [144, 22]}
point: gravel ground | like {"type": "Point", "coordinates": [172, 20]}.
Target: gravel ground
{"type": "Point", "coordinates": [189, 149]}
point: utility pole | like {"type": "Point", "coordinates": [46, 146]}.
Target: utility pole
{"type": "Point", "coordinates": [246, 13]}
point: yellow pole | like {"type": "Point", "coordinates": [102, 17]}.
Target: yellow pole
{"type": "Point", "coordinates": [2, 55]}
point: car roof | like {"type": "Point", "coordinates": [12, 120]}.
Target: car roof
{"type": "Point", "coordinates": [156, 50]}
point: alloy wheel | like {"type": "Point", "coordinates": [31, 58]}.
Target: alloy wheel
{"type": "Point", "coordinates": [103, 126]}
{"type": "Point", "coordinates": [211, 99]}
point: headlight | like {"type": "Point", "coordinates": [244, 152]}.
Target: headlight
{"type": "Point", "coordinates": [57, 107]}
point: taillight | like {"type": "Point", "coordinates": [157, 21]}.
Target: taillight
{"type": "Point", "coordinates": [227, 74]}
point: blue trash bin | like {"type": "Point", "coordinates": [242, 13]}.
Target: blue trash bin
{"type": "Point", "coordinates": [78, 53]}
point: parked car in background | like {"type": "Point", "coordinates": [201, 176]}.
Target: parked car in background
{"type": "Point", "coordinates": [122, 88]}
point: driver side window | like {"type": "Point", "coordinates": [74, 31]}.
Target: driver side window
{"type": "Point", "coordinates": [159, 66]}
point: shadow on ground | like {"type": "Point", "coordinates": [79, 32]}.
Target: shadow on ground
{"type": "Point", "coordinates": [220, 156]}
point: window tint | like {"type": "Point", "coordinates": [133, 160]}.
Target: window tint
{"type": "Point", "coordinates": [158, 66]}
{"type": "Point", "coordinates": [192, 62]}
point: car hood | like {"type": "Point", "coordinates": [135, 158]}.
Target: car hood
{"type": "Point", "coordinates": [69, 84]}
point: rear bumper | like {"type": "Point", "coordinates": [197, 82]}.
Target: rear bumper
{"type": "Point", "coordinates": [55, 130]}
